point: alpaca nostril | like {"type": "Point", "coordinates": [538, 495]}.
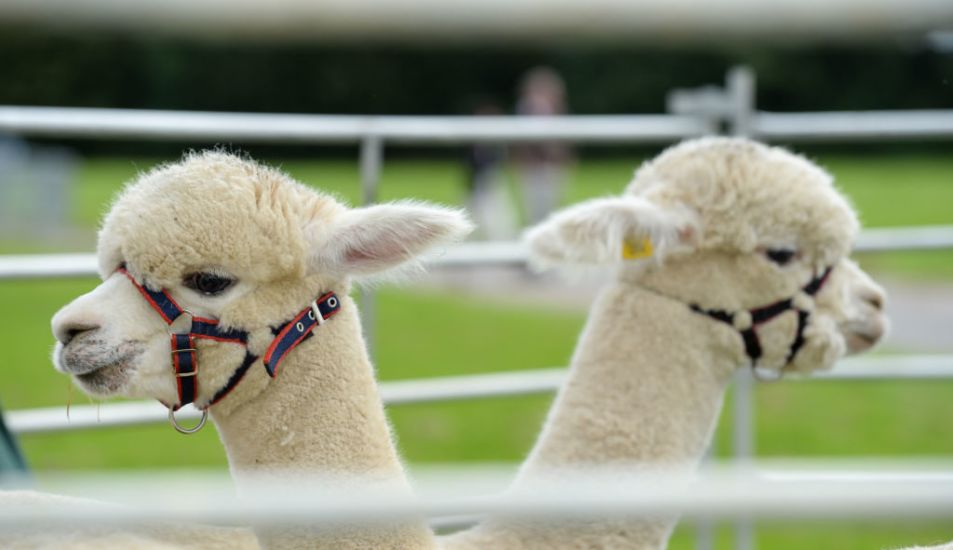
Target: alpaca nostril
{"type": "Point", "coordinates": [875, 300]}
{"type": "Point", "coordinates": [67, 335]}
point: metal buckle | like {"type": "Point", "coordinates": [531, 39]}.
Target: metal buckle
{"type": "Point", "coordinates": [194, 365]}
{"type": "Point", "coordinates": [761, 376]}
{"type": "Point", "coordinates": [188, 328]}
{"type": "Point", "coordinates": [183, 430]}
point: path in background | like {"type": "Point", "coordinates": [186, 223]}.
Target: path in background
{"type": "Point", "coordinates": [921, 314]}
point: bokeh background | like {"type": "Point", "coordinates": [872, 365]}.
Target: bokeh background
{"type": "Point", "coordinates": [457, 329]}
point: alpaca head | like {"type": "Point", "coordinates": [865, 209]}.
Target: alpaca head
{"type": "Point", "coordinates": [730, 226]}
{"type": "Point", "coordinates": [231, 240]}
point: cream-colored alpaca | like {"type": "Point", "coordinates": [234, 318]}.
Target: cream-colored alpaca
{"type": "Point", "coordinates": [731, 226]}
{"type": "Point", "coordinates": [232, 241]}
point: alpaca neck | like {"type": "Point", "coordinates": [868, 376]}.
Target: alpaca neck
{"type": "Point", "coordinates": [645, 387]}
{"type": "Point", "coordinates": [321, 415]}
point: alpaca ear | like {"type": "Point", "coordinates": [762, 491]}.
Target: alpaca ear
{"type": "Point", "coordinates": [609, 230]}
{"type": "Point", "coordinates": [368, 240]}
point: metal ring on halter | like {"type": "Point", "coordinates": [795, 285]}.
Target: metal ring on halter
{"type": "Point", "coordinates": [760, 376]}
{"type": "Point", "coordinates": [183, 314]}
{"type": "Point", "coordinates": [185, 430]}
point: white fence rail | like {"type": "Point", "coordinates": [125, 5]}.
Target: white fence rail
{"type": "Point", "coordinates": [64, 122]}
{"type": "Point", "coordinates": [592, 494]}
{"type": "Point", "coordinates": [41, 266]}
{"type": "Point", "coordinates": [451, 388]}
{"type": "Point", "coordinates": [494, 21]}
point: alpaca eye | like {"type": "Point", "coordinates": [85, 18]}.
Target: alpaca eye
{"type": "Point", "coordinates": [780, 256]}
{"type": "Point", "coordinates": [207, 283]}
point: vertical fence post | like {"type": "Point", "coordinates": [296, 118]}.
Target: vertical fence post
{"type": "Point", "coordinates": [372, 157]}
{"type": "Point", "coordinates": [704, 526]}
{"type": "Point", "coordinates": [740, 88]}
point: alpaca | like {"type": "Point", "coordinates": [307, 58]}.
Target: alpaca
{"type": "Point", "coordinates": [259, 266]}
{"type": "Point", "coordinates": [729, 254]}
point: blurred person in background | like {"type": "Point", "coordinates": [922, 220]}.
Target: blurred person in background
{"type": "Point", "coordinates": [489, 200]}
{"type": "Point", "coordinates": [542, 165]}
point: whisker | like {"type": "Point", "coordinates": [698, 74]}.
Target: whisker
{"type": "Point", "coordinates": [69, 397]}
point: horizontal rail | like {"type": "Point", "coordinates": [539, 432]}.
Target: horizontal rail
{"type": "Point", "coordinates": [66, 122]}
{"type": "Point", "coordinates": [36, 266]}
{"type": "Point", "coordinates": [206, 126]}
{"type": "Point", "coordinates": [526, 382]}
{"type": "Point", "coordinates": [492, 21]}
{"type": "Point", "coordinates": [853, 125]}
{"type": "Point", "coordinates": [297, 498]}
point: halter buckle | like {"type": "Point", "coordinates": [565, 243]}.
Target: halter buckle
{"type": "Point", "coordinates": [188, 328]}
{"type": "Point", "coordinates": [318, 317]}
{"type": "Point", "coordinates": [761, 376]}
{"type": "Point", "coordinates": [184, 430]}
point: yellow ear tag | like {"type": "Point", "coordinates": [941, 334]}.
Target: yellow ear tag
{"type": "Point", "coordinates": [634, 251]}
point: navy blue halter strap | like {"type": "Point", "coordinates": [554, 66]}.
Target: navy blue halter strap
{"type": "Point", "coordinates": [749, 335]}
{"type": "Point", "coordinates": [185, 354]}
{"type": "Point", "coordinates": [295, 331]}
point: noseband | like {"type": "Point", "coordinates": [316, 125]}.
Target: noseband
{"type": "Point", "coordinates": [747, 321]}
{"type": "Point", "coordinates": [185, 355]}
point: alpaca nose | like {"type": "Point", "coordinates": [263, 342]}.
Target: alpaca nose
{"type": "Point", "coordinates": [874, 297]}
{"type": "Point", "coordinates": [66, 333]}
{"type": "Point", "coordinates": [67, 324]}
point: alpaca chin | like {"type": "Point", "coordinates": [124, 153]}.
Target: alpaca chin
{"type": "Point", "coordinates": [106, 381]}
{"type": "Point", "coordinates": [98, 369]}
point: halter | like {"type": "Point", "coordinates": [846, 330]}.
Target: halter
{"type": "Point", "coordinates": [185, 355]}
{"type": "Point", "coordinates": [746, 321]}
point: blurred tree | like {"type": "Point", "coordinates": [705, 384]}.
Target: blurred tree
{"type": "Point", "coordinates": [105, 70]}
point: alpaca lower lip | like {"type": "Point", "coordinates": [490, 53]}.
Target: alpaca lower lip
{"type": "Point", "coordinates": [98, 373]}
{"type": "Point", "coordinates": [89, 360]}
{"type": "Point", "coordinates": [104, 379]}
{"type": "Point", "coordinates": [79, 368]}
{"type": "Point", "coordinates": [861, 341]}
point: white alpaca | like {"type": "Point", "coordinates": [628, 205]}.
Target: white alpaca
{"type": "Point", "coordinates": [234, 242]}
{"type": "Point", "coordinates": [731, 226]}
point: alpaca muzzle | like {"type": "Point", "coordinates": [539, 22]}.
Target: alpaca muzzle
{"type": "Point", "coordinates": [746, 322]}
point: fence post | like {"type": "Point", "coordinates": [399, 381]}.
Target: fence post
{"type": "Point", "coordinates": [705, 526]}
{"type": "Point", "coordinates": [740, 89]}
{"type": "Point", "coordinates": [372, 157]}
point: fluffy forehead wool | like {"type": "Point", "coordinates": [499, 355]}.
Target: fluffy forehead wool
{"type": "Point", "coordinates": [747, 195]}
{"type": "Point", "coordinates": [212, 209]}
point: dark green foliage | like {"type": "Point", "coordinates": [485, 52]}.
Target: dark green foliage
{"type": "Point", "coordinates": [102, 70]}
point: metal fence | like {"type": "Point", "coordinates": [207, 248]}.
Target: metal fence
{"type": "Point", "coordinates": [694, 113]}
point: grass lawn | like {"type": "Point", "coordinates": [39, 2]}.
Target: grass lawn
{"type": "Point", "coordinates": [458, 335]}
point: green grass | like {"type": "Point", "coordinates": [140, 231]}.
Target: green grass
{"type": "Point", "coordinates": [452, 334]}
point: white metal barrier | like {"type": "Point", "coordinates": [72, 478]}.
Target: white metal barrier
{"type": "Point", "coordinates": [305, 499]}
{"type": "Point", "coordinates": [494, 21]}
{"type": "Point", "coordinates": [453, 388]}
{"type": "Point", "coordinates": [44, 266]}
